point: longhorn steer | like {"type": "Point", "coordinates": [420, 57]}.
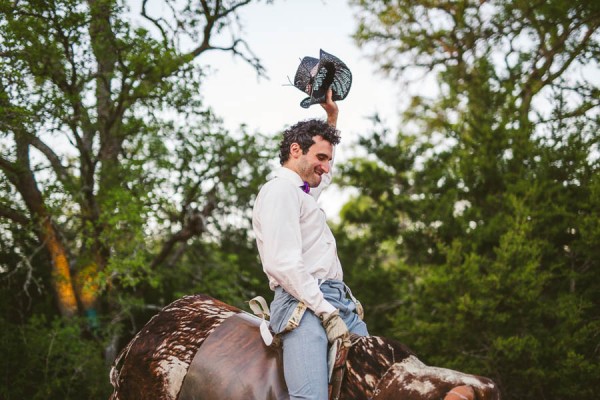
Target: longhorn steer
{"type": "Point", "coordinates": [234, 364]}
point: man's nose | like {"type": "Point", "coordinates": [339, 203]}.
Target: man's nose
{"type": "Point", "coordinates": [325, 166]}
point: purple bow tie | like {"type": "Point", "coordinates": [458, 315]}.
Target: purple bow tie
{"type": "Point", "coordinates": [305, 188]}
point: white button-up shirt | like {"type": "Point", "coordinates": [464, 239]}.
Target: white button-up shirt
{"type": "Point", "coordinates": [295, 243]}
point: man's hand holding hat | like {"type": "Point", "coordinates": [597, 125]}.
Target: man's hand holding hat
{"type": "Point", "coordinates": [330, 108]}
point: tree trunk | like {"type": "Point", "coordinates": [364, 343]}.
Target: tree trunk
{"type": "Point", "coordinates": [61, 274]}
{"type": "Point", "coordinates": [21, 175]}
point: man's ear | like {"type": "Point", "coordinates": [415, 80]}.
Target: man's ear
{"type": "Point", "coordinates": [295, 150]}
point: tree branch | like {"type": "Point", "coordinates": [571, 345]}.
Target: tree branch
{"type": "Point", "coordinates": [15, 216]}
{"type": "Point", "coordinates": [8, 167]}
{"type": "Point", "coordinates": [195, 225]}
{"type": "Point", "coordinates": [155, 22]}
{"type": "Point", "coordinates": [537, 79]}
{"type": "Point", "coordinates": [250, 59]}
{"type": "Point", "coordinates": [59, 169]}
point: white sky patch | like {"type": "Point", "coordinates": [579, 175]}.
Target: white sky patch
{"type": "Point", "coordinates": [460, 207]}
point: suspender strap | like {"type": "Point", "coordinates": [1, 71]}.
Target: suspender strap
{"type": "Point", "coordinates": [297, 315]}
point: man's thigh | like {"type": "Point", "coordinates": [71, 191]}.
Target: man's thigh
{"type": "Point", "coordinates": [305, 359]}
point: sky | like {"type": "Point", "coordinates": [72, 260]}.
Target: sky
{"type": "Point", "coordinates": [280, 34]}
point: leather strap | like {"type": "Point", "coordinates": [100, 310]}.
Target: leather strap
{"type": "Point", "coordinates": [259, 307]}
{"type": "Point", "coordinates": [336, 375]}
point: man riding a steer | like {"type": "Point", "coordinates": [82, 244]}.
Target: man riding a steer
{"type": "Point", "coordinates": [298, 254]}
{"type": "Point", "coordinates": [200, 348]}
{"type": "Point", "coordinates": [312, 305]}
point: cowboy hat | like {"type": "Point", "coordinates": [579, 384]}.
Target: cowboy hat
{"type": "Point", "coordinates": [315, 76]}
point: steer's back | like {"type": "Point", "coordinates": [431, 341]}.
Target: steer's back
{"type": "Point", "coordinates": [156, 360]}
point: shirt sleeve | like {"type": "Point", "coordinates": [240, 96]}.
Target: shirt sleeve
{"type": "Point", "coordinates": [279, 218]}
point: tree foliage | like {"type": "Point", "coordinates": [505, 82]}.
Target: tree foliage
{"type": "Point", "coordinates": [484, 206]}
{"type": "Point", "coordinates": [119, 189]}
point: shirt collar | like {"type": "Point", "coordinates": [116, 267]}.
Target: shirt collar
{"type": "Point", "coordinates": [286, 173]}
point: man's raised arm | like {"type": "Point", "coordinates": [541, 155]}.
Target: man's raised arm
{"type": "Point", "coordinates": [331, 109]}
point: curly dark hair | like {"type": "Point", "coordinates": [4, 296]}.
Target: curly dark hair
{"type": "Point", "coordinates": [303, 133]}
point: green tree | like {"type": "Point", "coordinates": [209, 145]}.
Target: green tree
{"type": "Point", "coordinates": [485, 204]}
{"type": "Point", "coordinates": [113, 174]}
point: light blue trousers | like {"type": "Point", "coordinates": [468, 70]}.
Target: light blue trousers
{"type": "Point", "coordinates": [305, 348]}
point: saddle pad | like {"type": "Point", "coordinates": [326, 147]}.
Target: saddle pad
{"type": "Point", "coordinates": [234, 363]}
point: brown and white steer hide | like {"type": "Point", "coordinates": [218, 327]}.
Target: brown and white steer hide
{"type": "Point", "coordinates": [154, 364]}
